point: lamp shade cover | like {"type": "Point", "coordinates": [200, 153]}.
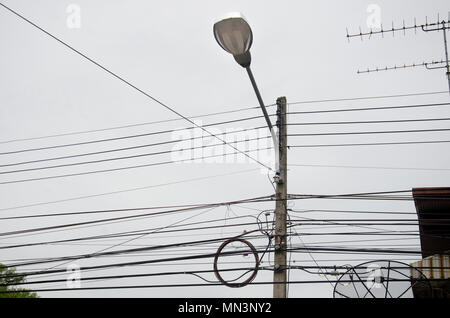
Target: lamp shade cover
{"type": "Point", "coordinates": [233, 34]}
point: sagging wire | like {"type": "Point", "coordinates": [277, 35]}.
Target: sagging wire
{"type": "Point", "coordinates": [271, 181]}
{"type": "Point", "coordinates": [290, 257]}
{"type": "Point", "coordinates": [321, 272]}
{"type": "Point", "coordinates": [138, 237]}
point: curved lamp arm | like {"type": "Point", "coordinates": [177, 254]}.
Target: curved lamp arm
{"type": "Point", "coordinates": [269, 123]}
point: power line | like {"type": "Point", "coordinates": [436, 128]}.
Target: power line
{"type": "Point", "coordinates": [369, 122]}
{"type": "Point", "coordinates": [170, 229]}
{"type": "Point", "coordinates": [245, 262]}
{"type": "Point", "coordinates": [126, 251]}
{"type": "Point", "coordinates": [199, 256]}
{"type": "Point", "coordinates": [194, 251]}
{"type": "Point", "coordinates": [337, 222]}
{"type": "Point", "coordinates": [167, 131]}
{"type": "Point", "coordinates": [109, 277]}
{"type": "Point", "coordinates": [366, 167]}
{"type": "Point", "coordinates": [185, 243]}
{"type": "Point", "coordinates": [46, 273]}
{"type": "Point", "coordinates": [365, 98]}
{"type": "Point", "coordinates": [143, 235]}
{"type": "Point", "coordinates": [301, 240]}
{"type": "Point", "coordinates": [245, 109]}
{"type": "Point", "coordinates": [385, 233]}
{"type": "Point", "coordinates": [131, 233]}
{"type": "Point", "coordinates": [363, 241]}
{"type": "Point", "coordinates": [128, 157]}
{"type": "Point", "coordinates": [178, 244]}
{"type": "Point", "coordinates": [150, 231]}
{"type": "Point", "coordinates": [178, 210]}
{"type": "Point", "coordinates": [198, 147]}
{"type": "Point", "coordinates": [128, 190]}
{"type": "Point", "coordinates": [371, 144]}
{"type": "Point", "coordinates": [426, 221]}
{"type": "Point", "coordinates": [117, 235]}
{"type": "Point", "coordinates": [123, 148]}
{"type": "Point", "coordinates": [130, 125]}
{"type": "Point", "coordinates": [370, 132]}
{"type": "Point", "coordinates": [351, 194]}
{"type": "Point", "coordinates": [305, 282]}
{"type": "Point", "coordinates": [353, 211]}
{"type": "Point", "coordinates": [366, 196]}
{"type": "Point", "coordinates": [128, 167]}
{"type": "Point", "coordinates": [54, 272]}
{"type": "Point", "coordinates": [102, 211]}
{"type": "Point", "coordinates": [128, 83]}
{"type": "Point", "coordinates": [293, 197]}
{"type": "Point", "coordinates": [367, 109]}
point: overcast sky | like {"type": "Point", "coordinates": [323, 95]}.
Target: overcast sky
{"type": "Point", "coordinates": [167, 49]}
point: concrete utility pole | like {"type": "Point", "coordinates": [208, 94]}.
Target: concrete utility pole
{"type": "Point", "coordinates": [280, 273]}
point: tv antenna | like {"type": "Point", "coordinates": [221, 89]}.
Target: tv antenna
{"type": "Point", "coordinates": [437, 26]}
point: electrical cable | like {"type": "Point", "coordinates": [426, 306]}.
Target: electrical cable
{"type": "Point", "coordinates": [89, 142]}
{"type": "Point", "coordinates": [140, 232]}
{"type": "Point", "coordinates": [368, 122]}
{"type": "Point", "coordinates": [109, 277]}
{"type": "Point", "coordinates": [291, 196]}
{"type": "Point", "coordinates": [296, 249]}
{"type": "Point", "coordinates": [367, 167]}
{"type": "Point", "coordinates": [149, 248]}
{"type": "Point", "coordinates": [123, 80]}
{"type": "Point", "coordinates": [254, 270]}
{"type": "Point", "coordinates": [142, 235]}
{"type": "Point", "coordinates": [93, 212]}
{"type": "Point", "coordinates": [308, 251]}
{"type": "Point", "coordinates": [261, 199]}
{"type": "Point", "coordinates": [355, 212]}
{"type": "Point", "coordinates": [127, 190]}
{"type": "Point", "coordinates": [124, 148]}
{"type": "Point", "coordinates": [128, 167]}
{"type": "Point", "coordinates": [227, 112]}
{"type": "Point", "coordinates": [191, 285]}
{"type": "Point", "coordinates": [129, 126]}
{"type": "Point", "coordinates": [366, 109]}
{"type": "Point", "coordinates": [372, 144]}
{"type": "Point", "coordinates": [369, 132]}
{"type": "Point", "coordinates": [126, 157]}
{"type": "Point", "coordinates": [340, 233]}
{"type": "Point", "coordinates": [130, 216]}
{"type": "Point", "coordinates": [365, 98]}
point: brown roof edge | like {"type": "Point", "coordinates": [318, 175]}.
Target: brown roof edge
{"type": "Point", "coordinates": [430, 202]}
{"type": "Point", "coordinates": [442, 190]}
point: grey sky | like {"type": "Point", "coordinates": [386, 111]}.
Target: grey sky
{"type": "Point", "coordinates": [167, 49]}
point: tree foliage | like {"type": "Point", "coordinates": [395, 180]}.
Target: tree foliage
{"type": "Point", "coordinates": [8, 280]}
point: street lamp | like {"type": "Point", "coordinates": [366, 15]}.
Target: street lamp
{"type": "Point", "coordinates": [235, 36]}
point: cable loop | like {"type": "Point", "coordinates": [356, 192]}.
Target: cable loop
{"type": "Point", "coordinates": [255, 270]}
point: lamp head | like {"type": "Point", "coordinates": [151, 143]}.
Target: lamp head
{"type": "Point", "coordinates": [234, 35]}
